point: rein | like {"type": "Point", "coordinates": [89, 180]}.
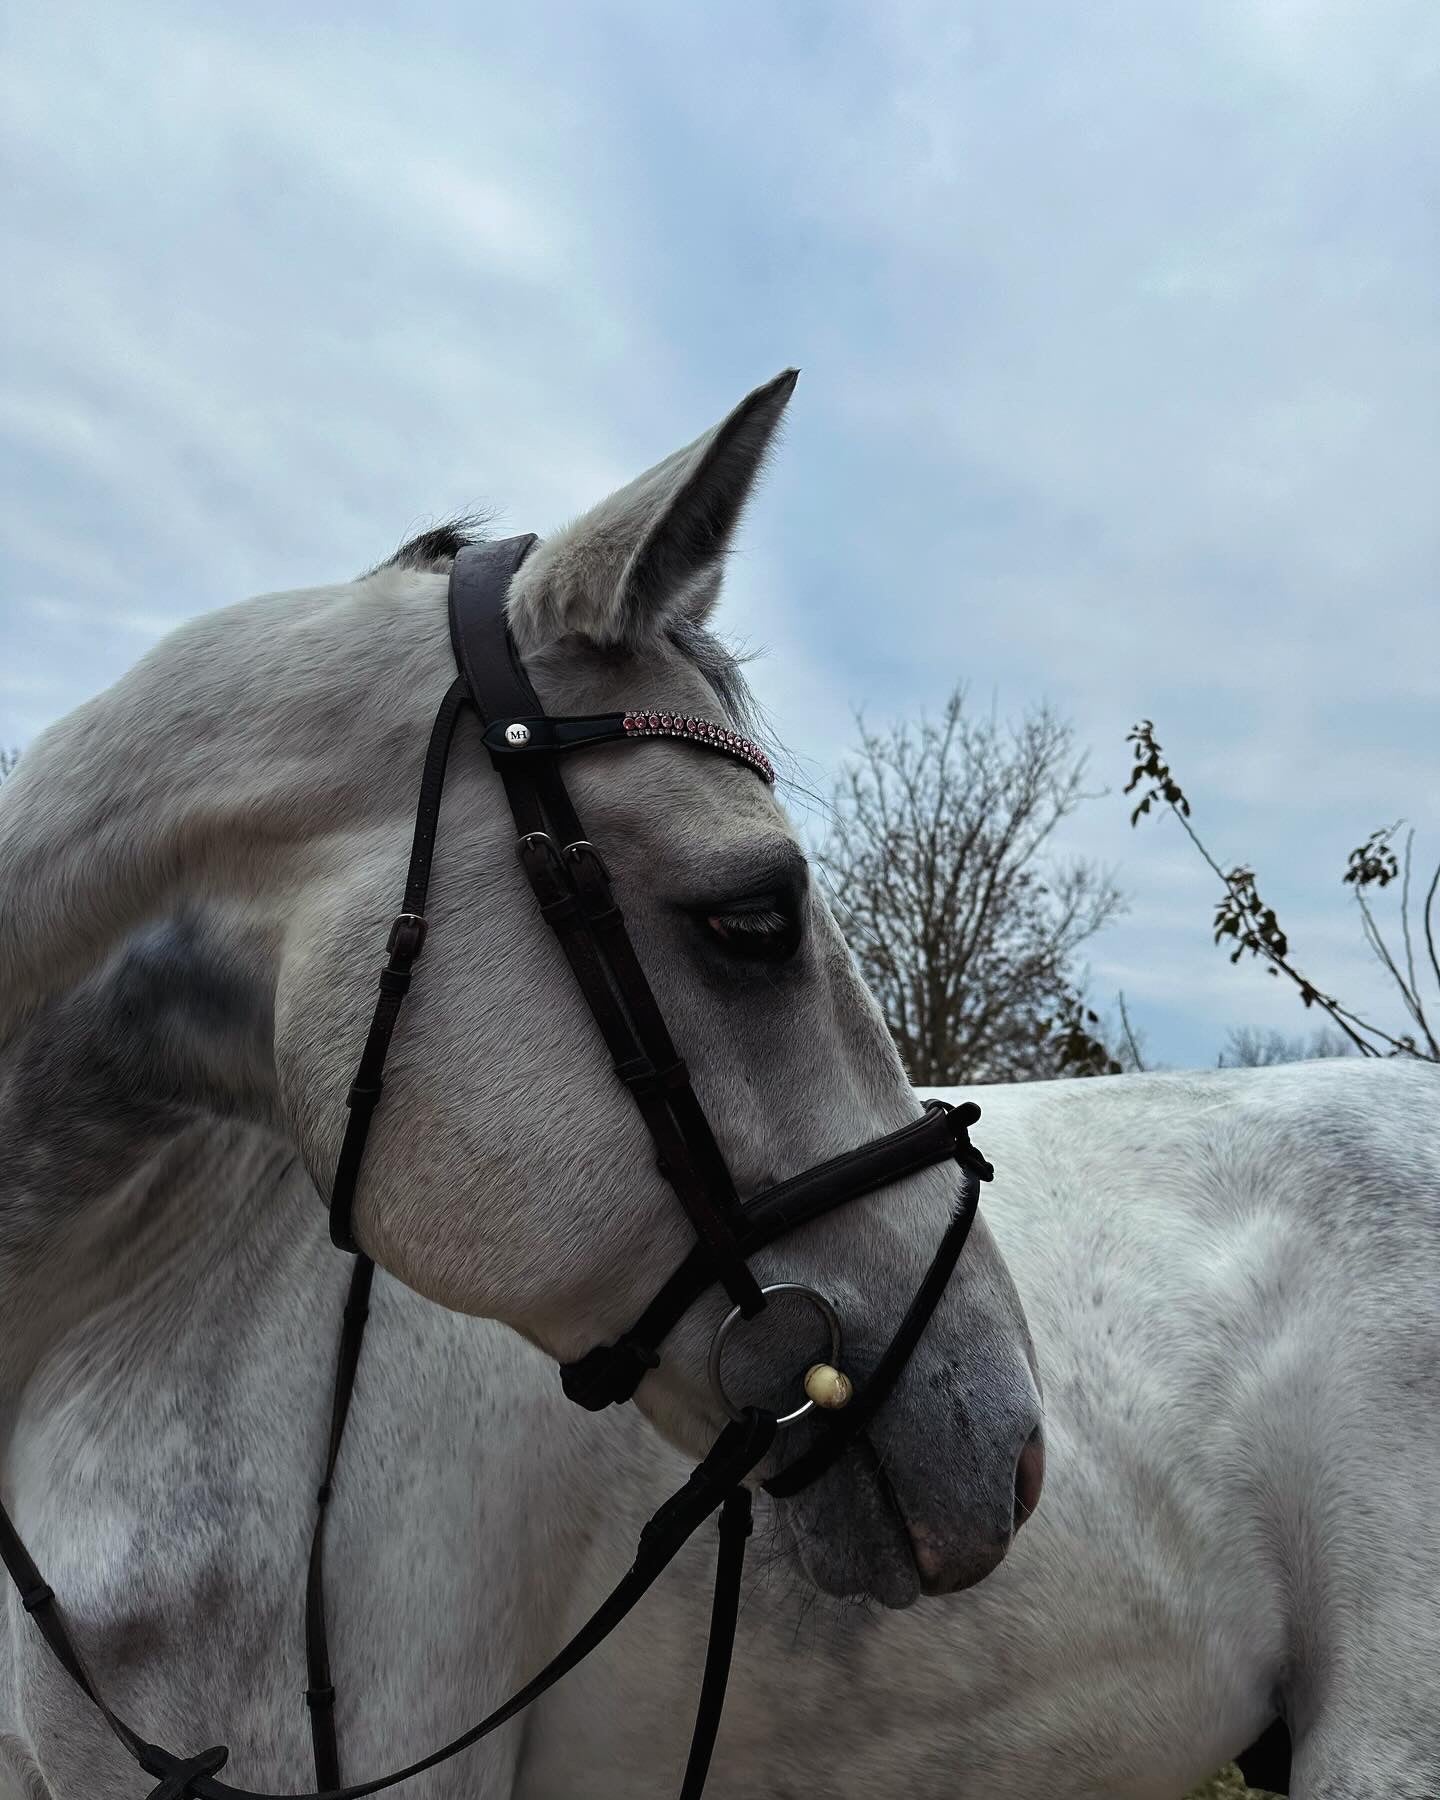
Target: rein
{"type": "Point", "coordinates": [573, 891]}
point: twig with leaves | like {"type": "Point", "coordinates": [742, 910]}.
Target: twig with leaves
{"type": "Point", "coordinates": [1077, 1049]}
{"type": "Point", "coordinates": [1242, 915]}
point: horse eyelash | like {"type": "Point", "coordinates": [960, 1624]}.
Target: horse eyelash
{"type": "Point", "coordinates": [754, 924]}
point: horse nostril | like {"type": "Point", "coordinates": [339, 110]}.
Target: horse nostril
{"type": "Point", "coordinates": [1029, 1476]}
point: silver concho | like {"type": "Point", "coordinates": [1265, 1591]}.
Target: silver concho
{"type": "Point", "coordinates": [517, 734]}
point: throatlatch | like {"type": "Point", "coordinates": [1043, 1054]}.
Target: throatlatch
{"type": "Point", "coordinates": [573, 891]}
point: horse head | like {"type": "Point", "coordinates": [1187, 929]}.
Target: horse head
{"type": "Point", "coordinates": [265, 759]}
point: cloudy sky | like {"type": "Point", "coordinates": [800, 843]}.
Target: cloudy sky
{"type": "Point", "coordinates": [1118, 324]}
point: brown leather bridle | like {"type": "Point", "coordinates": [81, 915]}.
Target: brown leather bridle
{"type": "Point", "coordinates": [573, 890]}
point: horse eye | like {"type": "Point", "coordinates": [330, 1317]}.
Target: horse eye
{"type": "Point", "coordinates": [763, 930]}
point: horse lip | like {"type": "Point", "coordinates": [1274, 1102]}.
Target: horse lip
{"type": "Point", "coordinates": [879, 1567]}
{"type": "Point", "coordinates": [892, 1502]}
{"type": "Point", "coordinates": [930, 1583]}
{"type": "Point", "coordinates": [934, 1572]}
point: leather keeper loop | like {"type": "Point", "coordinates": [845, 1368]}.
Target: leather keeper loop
{"type": "Point", "coordinates": [642, 1077]}
{"type": "Point", "coordinates": [363, 1096]}
{"type": "Point", "coordinates": [634, 1071]}
{"type": "Point", "coordinates": [602, 915]}
{"type": "Point", "coordinates": [34, 1598]}
{"type": "Point", "coordinates": [560, 911]}
{"type": "Point", "coordinates": [394, 981]}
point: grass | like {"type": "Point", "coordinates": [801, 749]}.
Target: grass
{"type": "Point", "coordinates": [1227, 1785]}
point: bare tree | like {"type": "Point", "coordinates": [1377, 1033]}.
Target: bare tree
{"type": "Point", "coordinates": [1242, 916]}
{"type": "Point", "coordinates": [968, 937]}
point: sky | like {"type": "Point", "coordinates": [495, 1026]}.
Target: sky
{"type": "Point", "coordinates": [1120, 349]}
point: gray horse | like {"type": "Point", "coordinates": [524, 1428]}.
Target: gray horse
{"type": "Point", "coordinates": [1231, 1279]}
{"type": "Point", "coordinates": [242, 800]}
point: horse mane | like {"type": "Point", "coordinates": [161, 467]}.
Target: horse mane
{"type": "Point", "coordinates": [434, 550]}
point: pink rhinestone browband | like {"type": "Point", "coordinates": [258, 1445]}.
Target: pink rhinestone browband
{"type": "Point", "coordinates": [701, 731]}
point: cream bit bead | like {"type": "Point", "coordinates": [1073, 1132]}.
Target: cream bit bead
{"type": "Point", "coordinates": [828, 1387]}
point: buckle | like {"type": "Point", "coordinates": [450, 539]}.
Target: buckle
{"type": "Point", "coordinates": [583, 854]}
{"type": "Point", "coordinates": [407, 935]}
{"type": "Point", "coordinates": [540, 859]}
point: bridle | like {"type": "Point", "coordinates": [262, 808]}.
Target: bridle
{"type": "Point", "coordinates": [573, 890]}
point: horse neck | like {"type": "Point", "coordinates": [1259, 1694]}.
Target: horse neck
{"type": "Point", "coordinates": [218, 769]}
{"type": "Point", "coordinates": [139, 1144]}
{"type": "Point", "coordinates": [154, 849]}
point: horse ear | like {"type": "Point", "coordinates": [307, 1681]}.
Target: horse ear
{"type": "Point", "coordinates": [655, 549]}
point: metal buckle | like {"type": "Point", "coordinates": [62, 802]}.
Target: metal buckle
{"type": "Point", "coordinates": [538, 852]}
{"type": "Point", "coordinates": [548, 877]}
{"type": "Point", "coordinates": [407, 922]}
{"type": "Point", "coordinates": [581, 851]}
{"type": "Point", "coordinates": [717, 1350]}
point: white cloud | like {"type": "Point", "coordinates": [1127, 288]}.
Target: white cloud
{"type": "Point", "coordinates": [1120, 351]}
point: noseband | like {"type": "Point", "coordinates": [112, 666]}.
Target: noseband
{"type": "Point", "coordinates": [573, 890]}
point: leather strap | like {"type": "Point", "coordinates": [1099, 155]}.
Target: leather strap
{"type": "Point", "coordinates": [839, 1430]}
{"type": "Point", "coordinates": [735, 1453]}
{"type": "Point", "coordinates": [576, 898]}
{"type": "Point", "coordinates": [406, 940]}
{"type": "Point", "coordinates": [320, 1691]}
{"type": "Point", "coordinates": [611, 1372]}
{"type": "Point", "coordinates": [494, 673]}
{"type": "Point", "coordinates": [574, 893]}
{"type": "Point", "coordinates": [737, 1521]}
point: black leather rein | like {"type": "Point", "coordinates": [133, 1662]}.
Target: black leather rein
{"type": "Point", "coordinates": [573, 891]}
